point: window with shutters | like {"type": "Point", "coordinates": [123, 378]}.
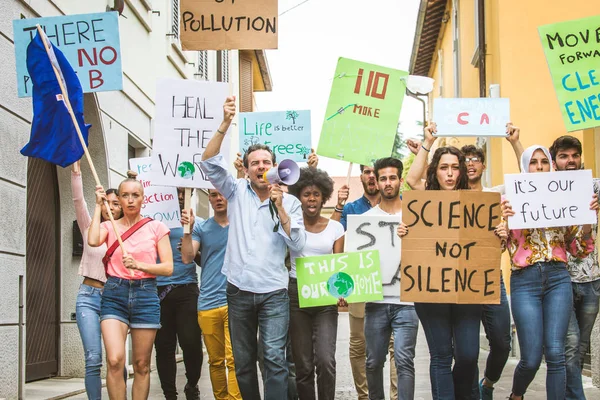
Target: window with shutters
{"type": "Point", "coordinates": [246, 103]}
{"type": "Point", "coordinates": [175, 25]}
{"type": "Point", "coordinates": [223, 66]}
{"type": "Point", "coordinates": [202, 73]}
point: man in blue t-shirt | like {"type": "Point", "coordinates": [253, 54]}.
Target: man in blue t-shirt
{"type": "Point", "coordinates": [178, 296]}
{"type": "Point", "coordinates": [210, 238]}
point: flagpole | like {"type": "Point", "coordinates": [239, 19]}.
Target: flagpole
{"type": "Point", "coordinates": [85, 149]}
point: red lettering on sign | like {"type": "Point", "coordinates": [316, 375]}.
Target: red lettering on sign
{"type": "Point", "coordinates": [95, 75]}
{"type": "Point", "coordinates": [484, 117]}
{"type": "Point", "coordinates": [460, 119]}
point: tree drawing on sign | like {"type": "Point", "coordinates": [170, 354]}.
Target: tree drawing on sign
{"type": "Point", "coordinates": [292, 115]}
{"type": "Point", "coordinates": [304, 151]}
{"type": "Point", "coordinates": [251, 140]}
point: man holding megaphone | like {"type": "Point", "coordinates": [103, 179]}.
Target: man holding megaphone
{"type": "Point", "coordinates": [263, 222]}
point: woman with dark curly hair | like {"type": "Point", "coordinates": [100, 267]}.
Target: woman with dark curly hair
{"type": "Point", "coordinates": [452, 330]}
{"type": "Point", "coordinates": [313, 330]}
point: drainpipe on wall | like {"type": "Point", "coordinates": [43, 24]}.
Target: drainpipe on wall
{"type": "Point", "coordinates": [482, 46]}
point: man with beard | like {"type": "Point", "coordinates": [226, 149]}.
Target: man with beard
{"type": "Point", "coordinates": [356, 311]}
{"type": "Point", "coordinates": [178, 296]}
{"type": "Point", "coordinates": [390, 317]}
{"type": "Point", "coordinates": [585, 278]}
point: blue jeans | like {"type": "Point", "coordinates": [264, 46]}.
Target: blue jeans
{"type": "Point", "coordinates": [269, 314]}
{"type": "Point", "coordinates": [381, 320]}
{"type": "Point", "coordinates": [542, 300]}
{"type": "Point", "coordinates": [583, 316]}
{"type": "Point", "coordinates": [452, 330]}
{"type": "Point", "coordinates": [133, 302]}
{"type": "Point", "coordinates": [87, 310]}
{"type": "Point", "coordinates": [496, 322]}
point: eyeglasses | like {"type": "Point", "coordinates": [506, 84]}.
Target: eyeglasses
{"type": "Point", "coordinates": [475, 160]}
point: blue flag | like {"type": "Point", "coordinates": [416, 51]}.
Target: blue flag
{"type": "Point", "coordinates": [53, 135]}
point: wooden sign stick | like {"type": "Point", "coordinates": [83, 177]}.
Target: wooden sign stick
{"type": "Point", "coordinates": [47, 46]}
{"type": "Point", "coordinates": [187, 200]}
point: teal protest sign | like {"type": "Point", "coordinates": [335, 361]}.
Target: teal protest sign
{"type": "Point", "coordinates": [322, 280]}
{"type": "Point", "coordinates": [90, 42]}
{"type": "Point", "coordinates": [287, 133]}
{"type": "Point", "coordinates": [572, 50]}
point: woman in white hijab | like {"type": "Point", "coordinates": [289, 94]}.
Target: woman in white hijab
{"type": "Point", "coordinates": [541, 295]}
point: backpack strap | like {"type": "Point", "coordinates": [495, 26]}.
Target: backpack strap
{"type": "Point", "coordinates": [124, 237]}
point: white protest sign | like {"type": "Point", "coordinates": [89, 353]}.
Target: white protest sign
{"type": "Point", "coordinates": [550, 199]}
{"type": "Point", "coordinates": [471, 117]}
{"type": "Point", "coordinates": [160, 202]}
{"type": "Point", "coordinates": [188, 114]}
{"type": "Point", "coordinates": [378, 232]}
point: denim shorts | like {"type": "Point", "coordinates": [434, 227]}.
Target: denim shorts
{"type": "Point", "coordinates": [133, 302]}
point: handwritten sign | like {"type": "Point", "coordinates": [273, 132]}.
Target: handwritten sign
{"type": "Point", "coordinates": [322, 280]}
{"type": "Point", "coordinates": [287, 133]}
{"type": "Point", "coordinates": [572, 50]}
{"type": "Point", "coordinates": [550, 199]}
{"type": "Point", "coordinates": [188, 113]}
{"type": "Point", "coordinates": [160, 202]}
{"type": "Point", "coordinates": [471, 117]}
{"type": "Point", "coordinates": [451, 253]}
{"type": "Point", "coordinates": [90, 42]}
{"type": "Point", "coordinates": [228, 24]}
{"type": "Point", "coordinates": [378, 232]}
{"type": "Point", "coordinates": [362, 113]}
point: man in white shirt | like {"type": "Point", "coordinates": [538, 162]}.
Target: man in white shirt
{"type": "Point", "coordinates": [390, 315]}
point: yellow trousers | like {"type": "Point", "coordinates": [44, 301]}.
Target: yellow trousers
{"type": "Point", "coordinates": [215, 330]}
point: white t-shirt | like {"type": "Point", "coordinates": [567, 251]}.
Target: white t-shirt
{"type": "Point", "coordinates": [318, 244]}
{"type": "Point", "coordinates": [396, 286]}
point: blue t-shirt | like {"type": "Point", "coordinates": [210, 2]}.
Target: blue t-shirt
{"type": "Point", "coordinates": [358, 206]}
{"type": "Point", "coordinates": [213, 243]}
{"type": "Point", "coordinates": [182, 273]}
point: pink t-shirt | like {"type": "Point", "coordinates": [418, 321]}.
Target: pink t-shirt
{"type": "Point", "coordinates": [142, 246]}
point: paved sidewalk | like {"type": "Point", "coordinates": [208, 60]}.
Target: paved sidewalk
{"type": "Point", "coordinates": [59, 387]}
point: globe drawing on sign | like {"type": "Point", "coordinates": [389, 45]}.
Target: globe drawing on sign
{"type": "Point", "coordinates": [186, 170]}
{"type": "Point", "coordinates": [340, 284]}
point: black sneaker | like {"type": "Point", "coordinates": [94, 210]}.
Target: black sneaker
{"type": "Point", "coordinates": [191, 392]}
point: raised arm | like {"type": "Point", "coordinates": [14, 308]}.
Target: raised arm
{"type": "Point", "coordinates": [214, 145]}
{"type": "Point", "coordinates": [513, 133]}
{"type": "Point", "coordinates": [97, 236]}
{"type": "Point", "coordinates": [190, 243]}
{"type": "Point", "coordinates": [419, 165]}
{"type": "Point", "coordinates": [81, 211]}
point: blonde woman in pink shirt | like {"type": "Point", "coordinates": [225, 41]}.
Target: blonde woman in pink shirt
{"type": "Point", "coordinates": [90, 291]}
{"type": "Point", "coordinates": [130, 299]}
{"type": "Point", "coordinates": [541, 294]}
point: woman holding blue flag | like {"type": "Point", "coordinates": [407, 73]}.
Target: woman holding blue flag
{"type": "Point", "coordinates": [90, 291]}
{"type": "Point", "coordinates": [313, 330]}
{"type": "Point", "coordinates": [130, 298]}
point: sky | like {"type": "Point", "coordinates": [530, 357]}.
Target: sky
{"type": "Point", "coordinates": [315, 34]}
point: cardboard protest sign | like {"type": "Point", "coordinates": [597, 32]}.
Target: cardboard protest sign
{"type": "Point", "coordinates": [322, 280]}
{"type": "Point", "coordinates": [378, 232]}
{"type": "Point", "coordinates": [451, 253]}
{"type": "Point", "coordinates": [550, 199]}
{"type": "Point", "coordinates": [287, 133]}
{"type": "Point", "coordinates": [572, 50]}
{"type": "Point", "coordinates": [229, 24]}
{"type": "Point", "coordinates": [90, 42]}
{"type": "Point", "coordinates": [471, 117]}
{"type": "Point", "coordinates": [188, 113]}
{"type": "Point", "coordinates": [160, 202]}
{"type": "Point", "coordinates": [362, 113]}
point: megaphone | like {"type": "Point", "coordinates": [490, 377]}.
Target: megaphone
{"type": "Point", "coordinates": [286, 172]}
